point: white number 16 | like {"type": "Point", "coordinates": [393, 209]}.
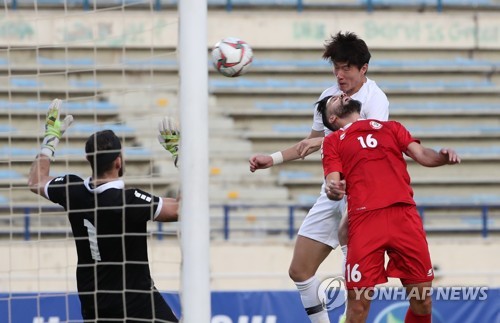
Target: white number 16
{"type": "Point", "coordinates": [368, 142]}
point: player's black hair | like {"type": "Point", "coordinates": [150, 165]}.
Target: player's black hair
{"type": "Point", "coordinates": [347, 47]}
{"type": "Point", "coordinates": [321, 109]}
{"type": "Point", "coordinates": [349, 108]}
{"type": "Point", "coordinates": [102, 148]}
{"type": "Point", "coordinates": [345, 110]}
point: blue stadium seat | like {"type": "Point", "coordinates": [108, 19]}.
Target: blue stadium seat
{"type": "Point", "coordinates": [69, 105]}
{"type": "Point", "coordinates": [150, 62]}
{"type": "Point", "coordinates": [9, 174]}
{"type": "Point", "coordinates": [429, 107]}
{"type": "Point", "coordinates": [476, 199]}
{"type": "Point", "coordinates": [285, 128]}
{"type": "Point", "coordinates": [65, 62]}
{"type": "Point", "coordinates": [426, 2]}
{"type": "Point", "coordinates": [91, 128]}
{"type": "Point", "coordinates": [25, 82]}
{"type": "Point", "coordinates": [283, 105]}
{"type": "Point", "coordinates": [288, 174]}
{"type": "Point", "coordinates": [85, 84]}
{"type": "Point", "coordinates": [7, 128]}
{"type": "Point", "coordinates": [387, 85]}
{"type": "Point", "coordinates": [477, 129]}
{"type": "Point", "coordinates": [7, 151]}
{"type": "Point", "coordinates": [458, 61]}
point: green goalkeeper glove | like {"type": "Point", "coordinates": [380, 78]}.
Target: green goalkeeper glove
{"type": "Point", "coordinates": [54, 129]}
{"type": "Point", "coordinates": [169, 137]}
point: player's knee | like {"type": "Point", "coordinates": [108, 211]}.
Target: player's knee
{"type": "Point", "coordinates": [357, 311]}
{"type": "Point", "coordinates": [342, 234]}
{"type": "Point", "coordinates": [421, 306]}
{"type": "Point", "coordinates": [298, 274]}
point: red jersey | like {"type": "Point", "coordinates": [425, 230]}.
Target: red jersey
{"type": "Point", "coordinates": [369, 154]}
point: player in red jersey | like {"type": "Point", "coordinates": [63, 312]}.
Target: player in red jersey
{"type": "Point", "coordinates": [364, 160]}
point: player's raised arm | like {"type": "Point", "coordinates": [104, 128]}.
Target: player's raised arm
{"type": "Point", "coordinates": [54, 129]}
{"type": "Point", "coordinates": [301, 149]}
{"type": "Point", "coordinates": [169, 137]}
{"type": "Point", "coordinates": [430, 158]}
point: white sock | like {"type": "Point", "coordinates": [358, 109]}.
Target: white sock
{"type": "Point", "coordinates": [344, 260]}
{"type": "Point", "coordinates": [309, 295]}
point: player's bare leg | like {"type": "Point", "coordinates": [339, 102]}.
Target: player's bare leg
{"type": "Point", "coordinates": [420, 310]}
{"type": "Point", "coordinates": [342, 236]}
{"type": "Point", "coordinates": [308, 255]}
{"type": "Point", "coordinates": [358, 305]}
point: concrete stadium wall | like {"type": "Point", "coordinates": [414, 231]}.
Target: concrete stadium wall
{"type": "Point", "coordinates": [262, 29]}
{"type": "Point", "coordinates": [49, 265]}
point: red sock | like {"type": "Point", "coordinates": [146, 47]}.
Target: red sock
{"type": "Point", "coordinates": [417, 318]}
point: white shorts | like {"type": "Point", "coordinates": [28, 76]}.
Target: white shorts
{"type": "Point", "coordinates": [322, 221]}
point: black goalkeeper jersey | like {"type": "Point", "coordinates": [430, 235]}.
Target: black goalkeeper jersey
{"type": "Point", "coordinates": [109, 227]}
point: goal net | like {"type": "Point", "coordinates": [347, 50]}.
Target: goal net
{"type": "Point", "coordinates": [113, 63]}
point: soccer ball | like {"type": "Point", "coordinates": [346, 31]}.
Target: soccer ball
{"type": "Point", "coordinates": [232, 57]}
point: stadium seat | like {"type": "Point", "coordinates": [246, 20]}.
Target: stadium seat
{"type": "Point", "coordinates": [286, 175]}
{"type": "Point", "coordinates": [84, 84]}
{"type": "Point", "coordinates": [9, 174]}
{"type": "Point", "coordinates": [25, 82]}
{"type": "Point", "coordinates": [69, 105]}
{"type": "Point", "coordinates": [285, 128]}
{"type": "Point", "coordinates": [283, 105]}
{"type": "Point", "coordinates": [149, 62]}
{"type": "Point", "coordinates": [65, 62]}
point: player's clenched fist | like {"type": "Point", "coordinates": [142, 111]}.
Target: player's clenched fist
{"type": "Point", "coordinates": [260, 162]}
{"type": "Point", "coordinates": [54, 129]}
{"type": "Point", "coordinates": [335, 190]}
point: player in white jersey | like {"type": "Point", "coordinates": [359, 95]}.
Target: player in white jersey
{"type": "Point", "coordinates": [322, 229]}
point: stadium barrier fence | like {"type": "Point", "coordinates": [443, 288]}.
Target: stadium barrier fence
{"type": "Point", "coordinates": [481, 220]}
{"type": "Point", "coordinates": [299, 5]}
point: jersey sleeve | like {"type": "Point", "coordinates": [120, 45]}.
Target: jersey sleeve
{"type": "Point", "coordinates": [376, 107]}
{"type": "Point", "coordinates": [403, 136]}
{"type": "Point", "coordinates": [143, 205]}
{"type": "Point", "coordinates": [330, 156]}
{"type": "Point", "coordinates": [317, 119]}
{"type": "Point", "coordinates": [56, 190]}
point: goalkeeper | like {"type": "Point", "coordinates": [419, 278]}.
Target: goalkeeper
{"type": "Point", "coordinates": [108, 223]}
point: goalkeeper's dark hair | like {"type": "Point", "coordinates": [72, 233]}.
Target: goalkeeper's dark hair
{"type": "Point", "coordinates": [353, 106]}
{"type": "Point", "coordinates": [347, 47]}
{"type": "Point", "coordinates": [102, 148]}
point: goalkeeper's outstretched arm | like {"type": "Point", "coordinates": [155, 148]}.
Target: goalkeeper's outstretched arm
{"type": "Point", "coordinates": [54, 129]}
{"type": "Point", "coordinates": [169, 138]}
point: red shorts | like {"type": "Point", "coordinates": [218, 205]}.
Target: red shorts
{"type": "Point", "coordinates": [397, 230]}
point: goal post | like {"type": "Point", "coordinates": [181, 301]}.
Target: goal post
{"type": "Point", "coordinates": [193, 105]}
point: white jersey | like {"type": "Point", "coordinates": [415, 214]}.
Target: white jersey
{"type": "Point", "coordinates": [374, 104]}
{"type": "Point", "coordinates": [322, 221]}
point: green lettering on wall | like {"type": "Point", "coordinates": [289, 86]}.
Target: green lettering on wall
{"type": "Point", "coordinates": [308, 30]}
{"type": "Point", "coordinates": [17, 30]}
